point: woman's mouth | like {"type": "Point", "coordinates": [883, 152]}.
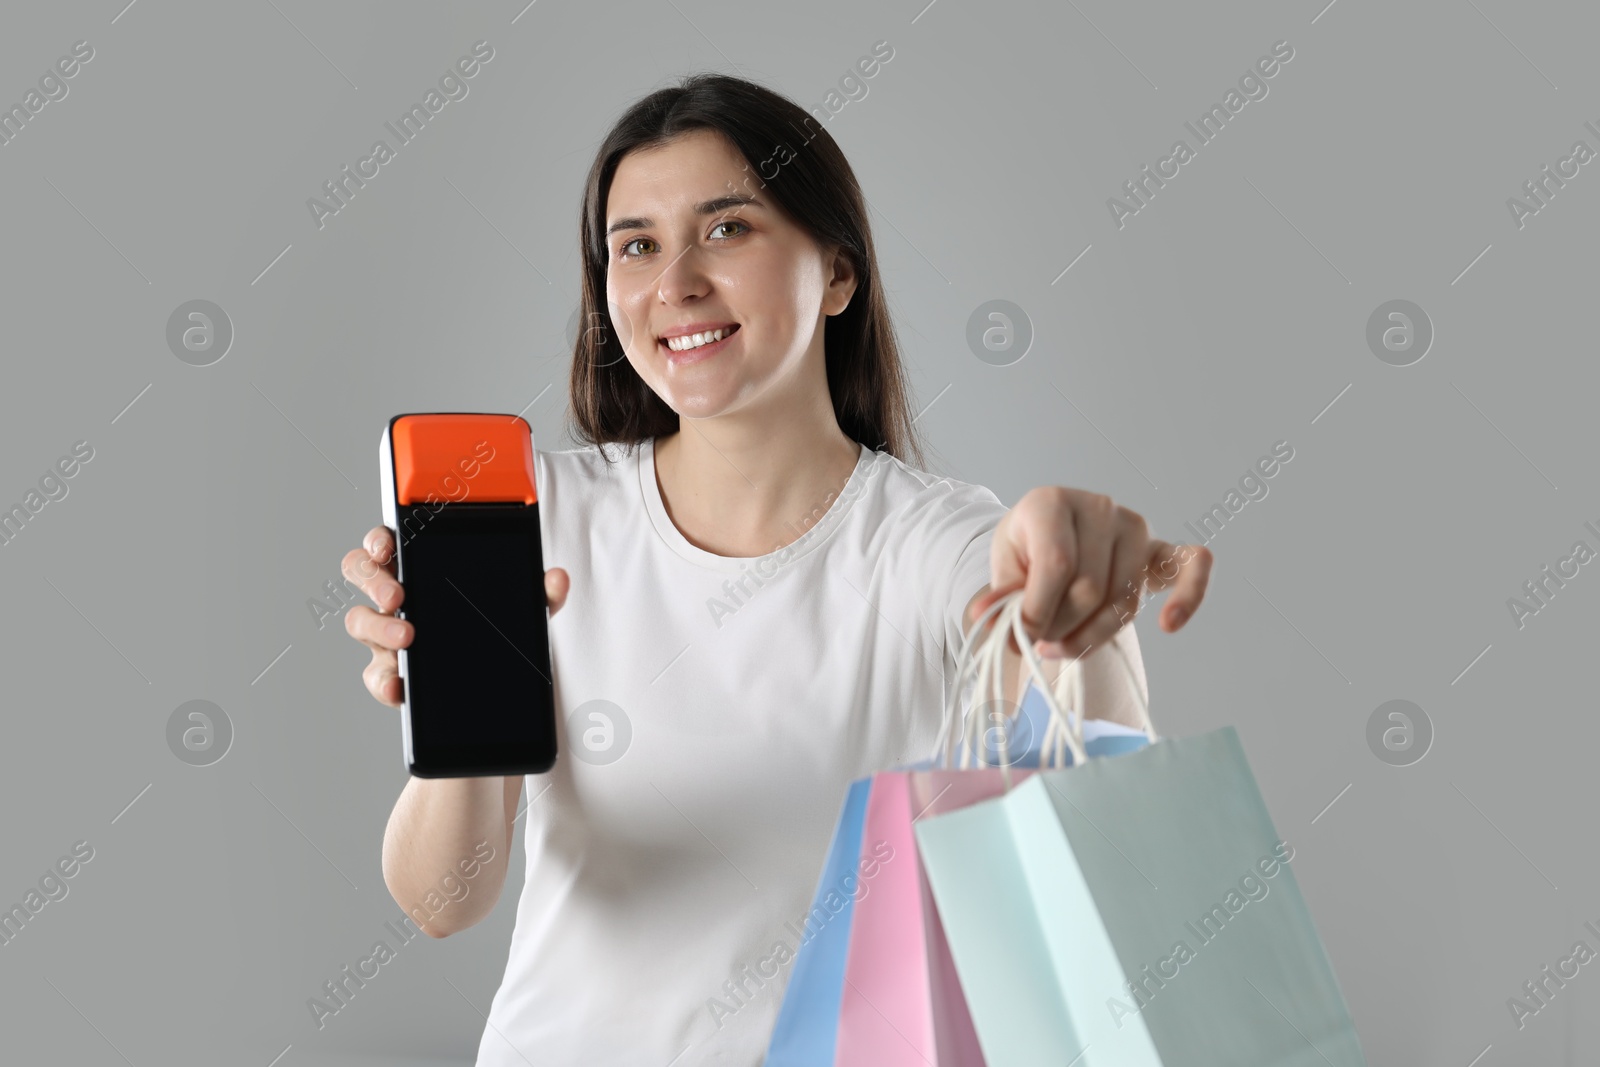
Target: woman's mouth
{"type": "Point", "coordinates": [692, 348]}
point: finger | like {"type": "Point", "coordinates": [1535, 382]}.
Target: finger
{"type": "Point", "coordinates": [1100, 628]}
{"type": "Point", "coordinates": [382, 678]}
{"type": "Point", "coordinates": [1006, 570]}
{"type": "Point", "coordinates": [1103, 530]}
{"type": "Point", "coordinates": [379, 632]}
{"type": "Point", "coordinates": [982, 601]}
{"type": "Point", "coordinates": [1186, 570]}
{"type": "Point", "coordinates": [557, 583]}
{"type": "Point", "coordinates": [374, 579]}
{"type": "Point", "coordinates": [1121, 602]}
{"type": "Point", "coordinates": [1163, 562]}
{"type": "Point", "coordinates": [1050, 542]}
{"type": "Point", "coordinates": [379, 543]}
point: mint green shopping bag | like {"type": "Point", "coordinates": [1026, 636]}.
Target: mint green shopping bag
{"type": "Point", "coordinates": [1136, 912]}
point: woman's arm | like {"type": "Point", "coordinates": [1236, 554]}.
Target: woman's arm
{"type": "Point", "coordinates": [444, 826]}
{"type": "Point", "coordinates": [437, 826]}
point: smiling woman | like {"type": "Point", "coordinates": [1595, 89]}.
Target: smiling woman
{"type": "Point", "coordinates": [739, 273]}
{"type": "Point", "coordinates": [740, 368]}
{"type": "Point", "coordinates": [712, 226]}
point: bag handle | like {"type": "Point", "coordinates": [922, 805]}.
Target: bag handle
{"type": "Point", "coordinates": [1063, 732]}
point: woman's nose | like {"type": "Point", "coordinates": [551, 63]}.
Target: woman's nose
{"type": "Point", "coordinates": [682, 278]}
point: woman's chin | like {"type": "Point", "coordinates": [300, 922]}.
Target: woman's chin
{"type": "Point", "coordinates": [697, 409]}
{"type": "Point", "coordinates": [699, 403]}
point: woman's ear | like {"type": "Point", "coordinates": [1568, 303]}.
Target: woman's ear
{"type": "Point", "coordinates": [842, 281]}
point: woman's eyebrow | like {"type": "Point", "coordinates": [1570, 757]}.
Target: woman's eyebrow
{"type": "Point", "coordinates": [706, 207]}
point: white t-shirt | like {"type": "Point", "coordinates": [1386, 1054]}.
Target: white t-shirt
{"type": "Point", "coordinates": [712, 712]}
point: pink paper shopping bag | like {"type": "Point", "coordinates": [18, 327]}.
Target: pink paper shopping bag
{"type": "Point", "coordinates": [902, 1003]}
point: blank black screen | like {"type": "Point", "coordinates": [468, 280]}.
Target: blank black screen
{"type": "Point", "coordinates": [479, 664]}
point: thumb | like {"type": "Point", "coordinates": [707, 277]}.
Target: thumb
{"type": "Point", "coordinates": [557, 583]}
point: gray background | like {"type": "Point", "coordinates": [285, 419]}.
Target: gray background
{"type": "Point", "coordinates": [1230, 313]}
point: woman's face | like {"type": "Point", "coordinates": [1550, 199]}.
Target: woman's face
{"type": "Point", "coordinates": [694, 242]}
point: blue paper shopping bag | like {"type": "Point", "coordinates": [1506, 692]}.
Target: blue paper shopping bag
{"type": "Point", "coordinates": [808, 1020]}
{"type": "Point", "coordinates": [1136, 912]}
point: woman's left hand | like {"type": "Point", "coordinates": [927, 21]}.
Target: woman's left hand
{"type": "Point", "coordinates": [1082, 562]}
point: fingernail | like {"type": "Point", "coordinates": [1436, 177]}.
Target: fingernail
{"type": "Point", "coordinates": [1178, 616]}
{"type": "Point", "coordinates": [396, 631]}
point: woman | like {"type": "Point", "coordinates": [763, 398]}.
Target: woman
{"type": "Point", "coordinates": [766, 597]}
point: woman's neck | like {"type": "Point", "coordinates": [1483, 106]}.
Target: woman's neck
{"type": "Point", "coordinates": [742, 487]}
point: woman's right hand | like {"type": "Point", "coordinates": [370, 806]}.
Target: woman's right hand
{"type": "Point", "coordinates": [372, 569]}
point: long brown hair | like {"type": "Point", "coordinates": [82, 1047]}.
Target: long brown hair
{"type": "Point", "coordinates": [814, 186]}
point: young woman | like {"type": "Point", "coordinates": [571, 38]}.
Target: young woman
{"type": "Point", "coordinates": [765, 597]}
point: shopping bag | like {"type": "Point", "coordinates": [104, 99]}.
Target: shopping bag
{"type": "Point", "coordinates": [902, 1005]}
{"type": "Point", "coordinates": [804, 1034]}
{"type": "Point", "coordinates": [878, 984]}
{"type": "Point", "coordinates": [1136, 912]}
{"type": "Point", "coordinates": [870, 908]}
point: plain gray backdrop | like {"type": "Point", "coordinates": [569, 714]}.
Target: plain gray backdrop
{"type": "Point", "coordinates": [1168, 354]}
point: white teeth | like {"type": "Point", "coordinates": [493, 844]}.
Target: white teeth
{"type": "Point", "coordinates": [683, 344]}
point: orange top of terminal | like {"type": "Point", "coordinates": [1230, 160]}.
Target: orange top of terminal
{"type": "Point", "coordinates": [463, 458]}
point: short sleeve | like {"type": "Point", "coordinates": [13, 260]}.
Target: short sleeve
{"type": "Point", "coordinates": [949, 535]}
{"type": "Point", "coordinates": [968, 574]}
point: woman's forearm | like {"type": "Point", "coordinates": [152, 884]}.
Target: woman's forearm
{"type": "Point", "coordinates": [444, 827]}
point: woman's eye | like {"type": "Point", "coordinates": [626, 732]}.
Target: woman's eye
{"type": "Point", "coordinates": [729, 222]}
{"type": "Point", "coordinates": [626, 245]}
